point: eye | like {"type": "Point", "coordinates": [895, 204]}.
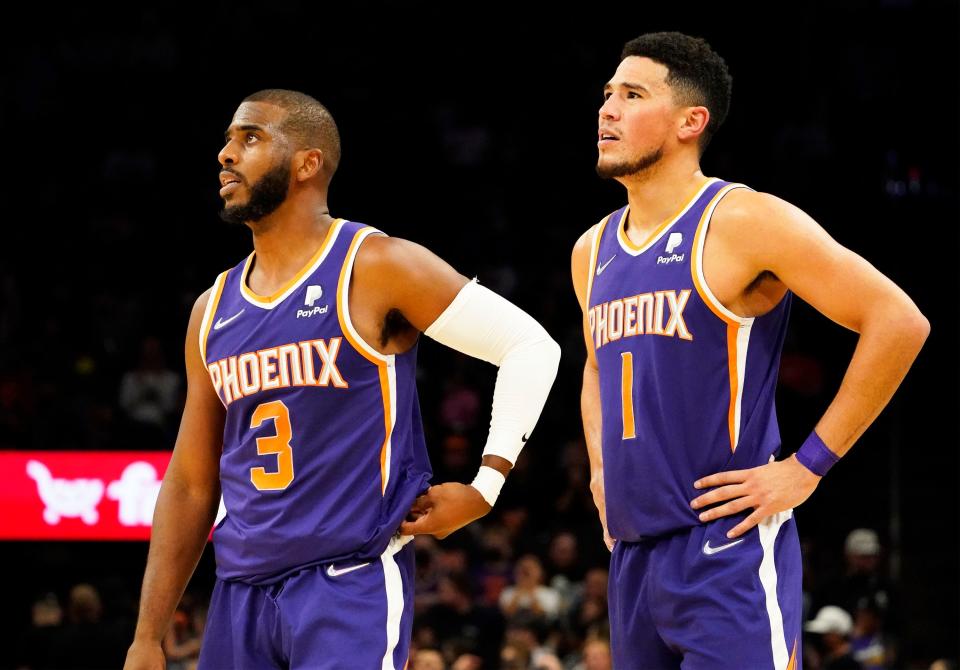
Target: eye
{"type": "Point", "coordinates": [606, 95]}
{"type": "Point", "coordinates": [250, 138]}
{"type": "Point", "coordinates": [633, 94]}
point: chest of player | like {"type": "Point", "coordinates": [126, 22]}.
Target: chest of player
{"type": "Point", "coordinates": [297, 344]}
{"type": "Point", "coordinates": [640, 292]}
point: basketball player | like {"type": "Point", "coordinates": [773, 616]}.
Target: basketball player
{"type": "Point", "coordinates": [685, 294]}
{"type": "Point", "coordinates": [302, 410]}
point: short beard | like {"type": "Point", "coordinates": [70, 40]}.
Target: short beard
{"type": "Point", "coordinates": [628, 169]}
{"type": "Point", "coordinates": [265, 197]}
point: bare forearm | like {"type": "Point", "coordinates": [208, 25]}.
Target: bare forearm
{"type": "Point", "coordinates": [181, 525]}
{"type": "Point", "coordinates": [590, 411]}
{"type": "Point", "coordinates": [887, 348]}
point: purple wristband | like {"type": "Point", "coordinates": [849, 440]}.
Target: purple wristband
{"type": "Point", "coordinates": [815, 456]}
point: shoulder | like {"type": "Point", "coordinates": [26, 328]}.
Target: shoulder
{"type": "Point", "coordinates": [381, 254]}
{"type": "Point", "coordinates": [200, 306]}
{"type": "Point", "coordinates": [584, 244]}
{"type": "Point", "coordinates": [743, 209]}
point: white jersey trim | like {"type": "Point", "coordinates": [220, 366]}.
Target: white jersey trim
{"type": "Point", "coordinates": [769, 528]}
{"type": "Point", "coordinates": [393, 583]}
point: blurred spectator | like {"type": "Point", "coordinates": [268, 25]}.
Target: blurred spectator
{"type": "Point", "coordinates": [426, 551]}
{"type": "Point", "coordinates": [528, 594]}
{"type": "Point", "coordinates": [41, 639]}
{"type": "Point", "coordinates": [566, 573]}
{"type": "Point", "coordinates": [87, 642]}
{"type": "Point", "coordinates": [150, 393]}
{"type": "Point", "coordinates": [496, 570]}
{"type": "Point", "coordinates": [468, 662]}
{"type": "Point", "coordinates": [428, 659]}
{"type": "Point", "coordinates": [462, 626]}
{"type": "Point", "coordinates": [864, 580]}
{"type": "Point", "coordinates": [460, 406]}
{"type": "Point", "coordinates": [596, 655]}
{"type": "Point", "coordinates": [590, 611]}
{"type": "Point", "coordinates": [530, 632]}
{"type": "Point", "coordinates": [457, 462]}
{"type": "Point", "coordinates": [181, 645]}
{"type": "Point", "coordinates": [872, 648]}
{"type": "Point", "coordinates": [514, 656]}
{"type": "Point", "coordinates": [831, 630]}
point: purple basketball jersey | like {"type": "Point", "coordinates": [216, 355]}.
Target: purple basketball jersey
{"type": "Point", "coordinates": [323, 449]}
{"type": "Point", "coordinates": [686, 386]}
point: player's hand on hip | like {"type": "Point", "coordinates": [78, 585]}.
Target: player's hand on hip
{"type": "Point", "coordinates": [768, 489]}
{"type": "Point", "coordinates": [443, 509]}
{"type": "Point", "coordinates": [145, 656]}
{"type": "Point", "coordinates": [600, 500]}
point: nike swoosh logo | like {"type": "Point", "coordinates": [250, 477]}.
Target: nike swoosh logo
{"type": "Point", "coordinates": [604, 266]}
{"type": "Point", "coordinates": [333, 572]}
{"type": "Point", "coordinates": [221, 322]}
{"type": "Point", "coordinates": [710, 551]}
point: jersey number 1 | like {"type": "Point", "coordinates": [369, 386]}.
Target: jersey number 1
{"type": "Point", "coordinates": [626, 395]}
{"type": "Point", "coordinates": [278, 444]}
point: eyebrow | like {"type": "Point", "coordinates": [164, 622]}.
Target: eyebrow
{"type": "Point", "coordinates": [249, 126]}
{"type": "Point", "coordinates": [626, 84]}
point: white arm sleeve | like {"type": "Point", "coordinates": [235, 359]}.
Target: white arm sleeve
{"type": "Point", "coordinates": [484, 325]}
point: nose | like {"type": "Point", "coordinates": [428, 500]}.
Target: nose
{"type": "Point", "coordinates": [608, 110]}
{"type": "Point", "coordinates": [227, 155]}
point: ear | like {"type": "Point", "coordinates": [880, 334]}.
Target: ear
{"type": "Point", "coordinates": [693, 124]}
{"type": "Point", "coordinates": [308, 163]}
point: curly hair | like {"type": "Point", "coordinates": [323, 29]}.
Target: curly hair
{"type": "Point", "coordinates": [696, 73]}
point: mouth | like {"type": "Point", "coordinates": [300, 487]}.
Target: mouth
{"type": "Point", "coordinates": [229, 182]}
{"type": "Point", "coordinates": [606, 137]}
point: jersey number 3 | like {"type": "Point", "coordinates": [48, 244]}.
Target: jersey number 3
{"type": "Point", "coordinates": [278, 444]}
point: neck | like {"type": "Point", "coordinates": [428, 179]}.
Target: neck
{"type": "Point", "coordinates": [659, 192]}
{"type": "Point", "coordinates": [286, 239]}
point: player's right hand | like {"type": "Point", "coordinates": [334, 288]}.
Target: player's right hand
{"type": "Point", "coordinates": [144, 655]}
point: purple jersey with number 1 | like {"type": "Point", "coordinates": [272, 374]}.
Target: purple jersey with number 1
{"type": "Point", "coordinates": [323, 448]}
{"type": "Point", "coordinates": [687, 390]}
{"type": "Point", "coordinates": [687, 387]}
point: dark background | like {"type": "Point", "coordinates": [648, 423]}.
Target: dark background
{"type": "Point", "coordinates": [471, 129]}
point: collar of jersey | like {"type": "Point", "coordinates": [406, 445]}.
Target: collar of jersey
{"type": "Point", "coordinates": [271, 301]}
{"type": "Point", "coordinates": [635, 250]}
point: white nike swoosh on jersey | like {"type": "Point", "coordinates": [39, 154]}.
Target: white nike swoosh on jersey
{"type": "Point", "coordinates": [710, 551]}
{"type": "Point", "coordinates": [333, 572]}
{"type": "Point", "coordinates": [221, 322]}
{"type": "Point", "coordinates": [604, 266]}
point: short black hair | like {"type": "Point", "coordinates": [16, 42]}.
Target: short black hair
{"type": "Point", "coordinates": [308, 124]}
{"type": "Point", "coordinates": [696, 73]}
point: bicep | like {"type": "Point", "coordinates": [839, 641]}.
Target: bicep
{"type": "Point", "coordinates": [408, 277]}
{"type": "Point", "coordinates": [580, 274]}
{"type": "Point", "coordinates": [834, 280]}
{"type": "Point", "coordinates": [196, 455]}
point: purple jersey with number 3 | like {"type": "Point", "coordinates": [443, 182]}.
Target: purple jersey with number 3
{"type": "Point", "coordinates": [323, 448]}
{"type": "Point", "coordinates": [686, 386]}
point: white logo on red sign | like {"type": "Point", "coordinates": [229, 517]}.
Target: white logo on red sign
{"type": "Point", "coordinates": [136, 492]}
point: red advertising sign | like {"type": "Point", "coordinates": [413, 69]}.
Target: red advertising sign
{"type": "Point", "coordinates": [79, 495]}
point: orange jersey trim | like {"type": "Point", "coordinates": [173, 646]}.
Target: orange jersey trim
{"type": "Point", "coordinates": [266, 300]}
{"type": "Point", "coordinates": [733, 326]}
{"type": "Point", "coordinates": [361, 348]}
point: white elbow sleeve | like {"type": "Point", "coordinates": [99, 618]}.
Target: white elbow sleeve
{"type": "Point", "coordinates": [484, 325]}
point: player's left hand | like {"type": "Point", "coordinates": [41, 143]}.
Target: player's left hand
{"type": "Point", "coordinates": [768, 489]}
{"type": "Point", "coordinates": [443, 509]}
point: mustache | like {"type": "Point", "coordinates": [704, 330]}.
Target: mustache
{"type": "Point", "coordinates": [234, 173]}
